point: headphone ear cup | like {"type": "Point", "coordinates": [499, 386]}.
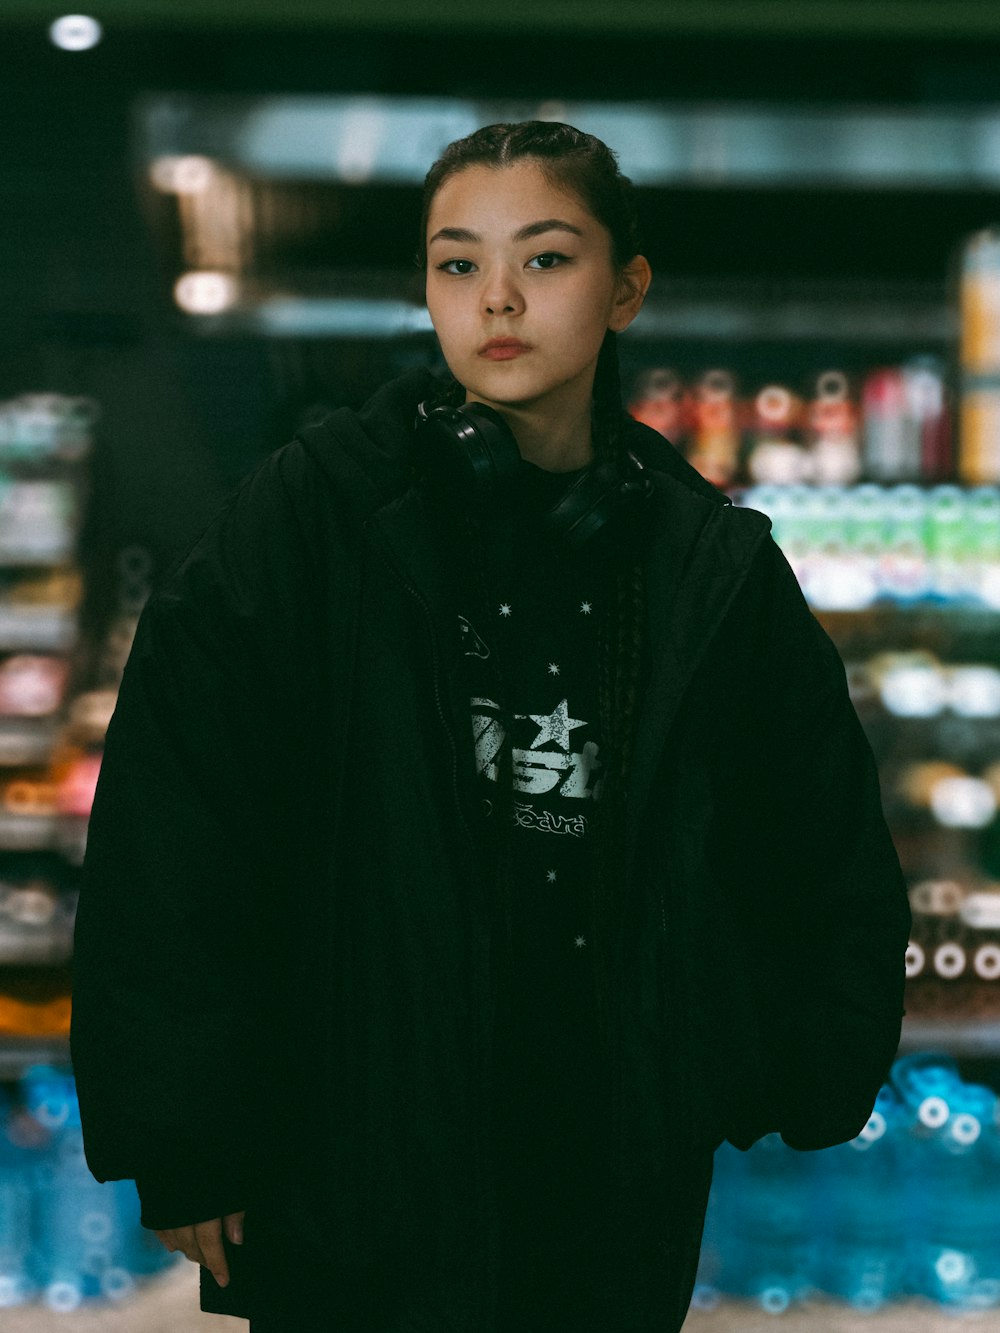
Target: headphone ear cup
{"type": "Point", "coordinates": [595, 500]}
{"type": "Point", "coordinates": [471, 459]}
{"type": "Point", "coordinates": [468, 452]}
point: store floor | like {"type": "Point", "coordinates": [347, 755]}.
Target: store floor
{"type": "Point", "coordinates": [169, 1304]}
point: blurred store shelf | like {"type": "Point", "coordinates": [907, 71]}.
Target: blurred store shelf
{"type": "Point", "coordinates": [18, 1053]}
{"type": "Point", "coordinates": [975, 1037]}
{"type": "Point", "coordinates": [361, 140]}
{"type": "Point", "coordinates": [385, 306]}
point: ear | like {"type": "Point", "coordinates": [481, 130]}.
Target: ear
{"type": "Point", "coordinates": [632, 288]}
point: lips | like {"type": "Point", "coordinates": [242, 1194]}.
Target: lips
{"type": "Point", "coordinates": [503, 349]}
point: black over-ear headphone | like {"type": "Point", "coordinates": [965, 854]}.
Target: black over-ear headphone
{"type": "Point", "coordinates": [471, 455]}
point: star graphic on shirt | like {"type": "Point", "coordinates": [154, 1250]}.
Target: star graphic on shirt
{"type": "Point", "coordinates": [556, 726]}
{"type": "Point", "coordinates": [550, 875]}
{"type": "Point", "coordinates": [553, 669]}
{"type": "Point", "coordinates": [505, 608]}
{"type": "Point", "coordinates": [579, 941]}
{"type": "Point", "coordinates": [585, 607]}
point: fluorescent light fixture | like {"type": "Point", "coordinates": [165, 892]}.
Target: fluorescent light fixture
{"type": "Point", "coordinates": [75, 32]}
{"type": "Point", "coordinates": [205, 293]}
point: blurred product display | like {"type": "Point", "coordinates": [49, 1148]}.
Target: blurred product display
{"type": "Point", "coordinates": [46, 773]}
{"type": "Point", "coordinates": [980, 358]}
{"type": "Point", "coordinates": [907, 1209]}
{"type": "Point", "coordinates": [65, 1241]}
{"type": "Point", "coordinates": [868, 431]}
{"type": "Point", "coordinates": [890, 517]}
{"type": "Point", "coordinates": [893, 426]}
{"type": "Point", "coordinates": [854, 547]}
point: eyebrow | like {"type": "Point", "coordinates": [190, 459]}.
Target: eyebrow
{"type": "Point", "coordinates": [532, 229]}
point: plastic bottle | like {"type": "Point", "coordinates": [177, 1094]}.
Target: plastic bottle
{"type": "Point", "coordinates": [979, 429]}
{"type": "Point", "coordinates": [774, 1218]}
{"type": "Point", "coordinates": [863, 1255]}
{"type": "Point", "coordinates": [948, 576]}
{"type": "Point", "coordinates": [16, 1201]}
{"type": "Point", "coordinates": [88, 1241]}
{"type": "Point", "coordinates": [954, 1257]}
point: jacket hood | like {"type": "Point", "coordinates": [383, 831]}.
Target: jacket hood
{"type": "Point", "coordinates": [367, 450]}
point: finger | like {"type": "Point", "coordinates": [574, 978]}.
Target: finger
{"type": "Point", "coordinates": [209, 1236]}
{"type": "Point", "coordinates": [233, 1223]}
{"type": "Point", "coordinates": [181, 1240]}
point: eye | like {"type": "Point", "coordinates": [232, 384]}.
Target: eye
{"type": "Point", "coordinates": [551, 254]}
{"type": "Point", "coordinates": [446, 266]}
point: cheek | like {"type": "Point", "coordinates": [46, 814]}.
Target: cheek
{"type": "Point", "coordinates": [443, 318]}
{"type": "Point", "coordinates": [448, 307]}
{"type": "Point", "coordinates": [586, 309]}
{"type": "Point", "coordinates": [588, 328]}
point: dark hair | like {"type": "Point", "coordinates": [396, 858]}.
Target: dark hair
{"type": "Point", "coordinates": [582, 164]}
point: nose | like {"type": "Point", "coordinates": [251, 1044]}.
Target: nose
{"type": "Point", "coordinates": [500, 293]}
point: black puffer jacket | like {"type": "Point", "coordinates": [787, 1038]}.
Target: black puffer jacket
{"type": "Point", "coordinates": [283, 988]}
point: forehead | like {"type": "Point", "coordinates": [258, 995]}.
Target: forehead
{"type": "Point", "coordinates": [505, 193]}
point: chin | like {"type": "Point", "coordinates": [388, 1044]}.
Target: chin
{"type": "Point", "coordinates": [511, 390]}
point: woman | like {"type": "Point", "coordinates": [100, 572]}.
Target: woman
{"type": "Point", "coordinates": [531, 977]}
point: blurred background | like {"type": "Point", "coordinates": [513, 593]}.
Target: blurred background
{"type": "Point", "coordinates": [207, 235]}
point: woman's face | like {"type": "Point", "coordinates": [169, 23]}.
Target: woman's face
{"type": "Point", "coordinates": [555, 290]}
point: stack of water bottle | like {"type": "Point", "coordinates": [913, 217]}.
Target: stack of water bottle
{"type": "Point", "coordinates": [65, 1240]}
{"type": "Point", "coordinates": [853, 547]}
{"type": "Point", "coordinates": [909, 1209]}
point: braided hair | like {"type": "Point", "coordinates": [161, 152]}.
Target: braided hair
{"type": "Point", "coordinates": [582, 163]}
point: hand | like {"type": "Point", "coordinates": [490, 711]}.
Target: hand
{"type": "Point", "coordinates": [202, 1242]}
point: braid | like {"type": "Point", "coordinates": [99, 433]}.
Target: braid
{"type": "Point", "coordinates": [606, 403]}
{"type": "Point", "coordinates": [620, 661]}
{"type": "Point", "coordinates": [502, 815]}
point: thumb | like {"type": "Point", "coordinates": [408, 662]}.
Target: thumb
{"type": "Point", "coordinates": [233, 1223]}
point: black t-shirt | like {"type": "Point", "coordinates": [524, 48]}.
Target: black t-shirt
{"type": "Point", "coordinates": [541, 632]}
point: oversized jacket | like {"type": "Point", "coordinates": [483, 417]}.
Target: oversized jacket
{"type": "Point", "coordinates": [283, 983]}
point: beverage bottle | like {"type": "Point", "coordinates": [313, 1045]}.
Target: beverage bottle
{"type": "Point", "coordinates": [927, 408]}
{"type": "Point", "coordinates": [715, 446]}
{"type": "Point", "coordinates": [863, 538]}
{"type": "Point", "coordinates": [832, 431]}
{"type": "Point", "coordinates": [937, 956]}
{"type": "Point", "coordinates": [982, 546]}
{"type": "Point", "coordinates": [88, 1240]}
{"type": "Point", "coordinates": [657, 400]}
{"type": "Point", "coordinates": [16, 1284]}
{"type": "Point", "coordinates": [979, 430]}
{"type": "Point", "coordinates": [947, 540]}
{"type": "Point", "coordinates": [832, 574]}
{"type": "Point", "coordinates": [981, 915]}
{"type": "Point", "coordinates": [890, 446]}
{"type": "Point", "coordinates": [863, 1256]}
{"type": "Point", "coordinates": [954, 1206]}
{"type": "Point", "coordinates": [776, 454]}
{"type": "Point", "coordinates": [905, 563]}
{"type": "Point", "coordinates": [774, 1217]}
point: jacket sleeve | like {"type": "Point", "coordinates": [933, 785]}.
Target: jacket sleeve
{"type": "Point", "coordinates": [822, 895]}
{"type": "Point", "coordinates": [166, 1202]}
{"type": "Point", "coordinates": [184, 851]}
